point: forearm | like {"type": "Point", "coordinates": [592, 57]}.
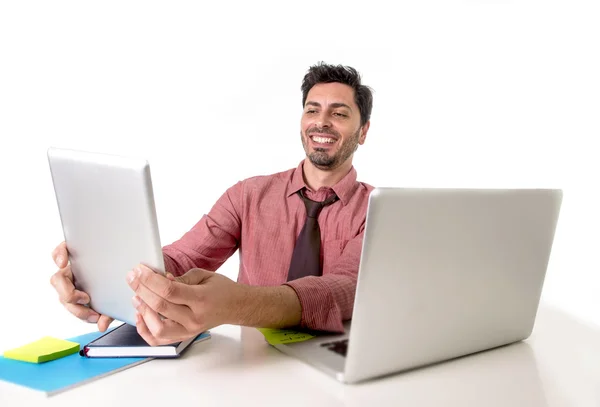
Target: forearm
{"type": "Point", "coordinates": [268, 307]}
{"type": "Point", "coordinates": [326, 301]}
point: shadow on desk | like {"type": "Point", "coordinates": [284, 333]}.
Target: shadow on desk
{"type": "Point", "coordinates": [559, 365]}
{"type": "Point", "coordinates": [505, 376]}
{"type": "Point", "coordinates": [227, 354]}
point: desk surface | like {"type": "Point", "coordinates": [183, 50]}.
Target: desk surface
{"type": "Point", "coordinates": [559, 365]}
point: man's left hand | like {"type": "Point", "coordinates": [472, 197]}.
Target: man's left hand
{"type": "Point", "coordinates": [174, 309]}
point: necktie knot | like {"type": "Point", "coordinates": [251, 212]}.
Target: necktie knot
{"type": "Point", "coordinates": [313, 208]}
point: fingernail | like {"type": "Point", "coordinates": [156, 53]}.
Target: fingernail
{"type": "Point", "coordinates": [136, 301]}
{"type": "Point", "coordinates": [82, 301]}
{"type": "Point", "coordinates": [138, 270]}
{"type": "Point", "coordinates": [93, 318]}
{"type": "Point", "coordinates": [59, 259]}
{"type": "Point", "coordinates": [131, 276]}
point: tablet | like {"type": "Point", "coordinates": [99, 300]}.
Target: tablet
{"type": "Point", "coordinates": [108, 217]}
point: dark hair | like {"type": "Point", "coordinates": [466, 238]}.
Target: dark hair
{"type": "Point", "coordinates": [325, 73]}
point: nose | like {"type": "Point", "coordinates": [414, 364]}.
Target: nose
{"type": "Point", "coordinates": [323, 120]}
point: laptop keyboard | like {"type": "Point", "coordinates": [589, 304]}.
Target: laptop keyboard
{"type": "Point", "coordinates": [340, 347]}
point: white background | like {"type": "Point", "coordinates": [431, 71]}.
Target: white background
{"type": "Point", "coordinates": [467, 94]}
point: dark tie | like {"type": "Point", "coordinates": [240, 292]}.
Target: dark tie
{"type": "Point", "coordinates": [306, 258]}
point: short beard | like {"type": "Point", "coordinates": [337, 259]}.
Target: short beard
{"type": "Point", "coordinates": [323, 161]}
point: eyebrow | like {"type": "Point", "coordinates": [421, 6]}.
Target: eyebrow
{"type": "Point", "coordinates": [333, 105]}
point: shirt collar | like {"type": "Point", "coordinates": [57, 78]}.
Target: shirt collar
{"type": "Point", "coordinates": [343, 189]}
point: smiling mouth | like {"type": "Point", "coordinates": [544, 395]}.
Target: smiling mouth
{"type": "Point", "coordinates": [323, 139]}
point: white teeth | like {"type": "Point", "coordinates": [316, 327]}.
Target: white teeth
{"type": "Point", "coordinates": [323, 139]}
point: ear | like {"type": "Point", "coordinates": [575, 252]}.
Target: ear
{"type": "Point", "coordinates": [363, 134]}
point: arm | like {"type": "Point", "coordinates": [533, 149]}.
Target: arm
{"type": "Point", "coordinates": [319, 303]}
{"type": "Point", "coordinates": [268, 307]}
{"type": "Point", "coordinates": [212, 240]}
{"type": "Point", "coordinates": [201, 299]}
{"type": "Point", "coordinates": [327, 301]}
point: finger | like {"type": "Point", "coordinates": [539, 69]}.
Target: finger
{"type": "Point", "coordinates": [83, 313]}
{"type": "Point", "coordinates": [178, 313]}
{"type": "Point", "coordinates": [143, 330]}
{"type": "Point", "coordinates": [66, 290]}
{"type": "Point", "coordinates": [164, 330]}
{"type": "Point", "coordinates": [194, 276]}
{"type": "Point", "coordinates": [172, 291]}
{"type": "Point", "coordinates": [60, 255]}
{"type": "Point", "coordinates": [67, 272]}
{"type": "Point", "coordinates": [103, 322]}
{"type": "Point", "coordinates": [145, 333]}
{"type": "Point", "coordinates": [170, 276]}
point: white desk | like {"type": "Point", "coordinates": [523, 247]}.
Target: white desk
{"type": "Point", "coordinates": [559, 365]}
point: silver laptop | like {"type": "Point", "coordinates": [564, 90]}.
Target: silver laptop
{"type": "Point", "coordinates": [444, 273]}
{"type": "Point", "coordinates": [107, 211]}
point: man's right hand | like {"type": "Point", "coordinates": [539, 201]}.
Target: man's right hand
{"type": "Point", "coordinates": [74, 300]}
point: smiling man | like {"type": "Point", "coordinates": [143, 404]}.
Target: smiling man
{"type": "Point", "coordinates": [299, 233]}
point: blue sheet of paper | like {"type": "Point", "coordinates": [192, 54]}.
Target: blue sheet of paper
{"type": "Point", "coordinates": [61, 374]}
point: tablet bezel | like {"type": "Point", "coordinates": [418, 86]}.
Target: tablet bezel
{"type": "Point", "coordinates": [108, 216]}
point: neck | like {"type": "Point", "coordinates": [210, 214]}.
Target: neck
{"type": "Point", "coordinates": [317, 178]}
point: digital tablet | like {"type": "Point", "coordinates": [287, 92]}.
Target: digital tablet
{"type": "Point", "coordinates": [108, 216]}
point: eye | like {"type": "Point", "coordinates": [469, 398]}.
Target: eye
{"type": "Point", "coordinates": [310, 111]}
{"type": "Point", "coordinates": [338, 114]}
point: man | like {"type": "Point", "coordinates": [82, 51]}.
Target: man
{"type": "Point", "coordinates": [299, 234]}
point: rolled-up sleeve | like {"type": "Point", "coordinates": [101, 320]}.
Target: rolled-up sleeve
{"type": "Point", "coordinates": [327, 301]}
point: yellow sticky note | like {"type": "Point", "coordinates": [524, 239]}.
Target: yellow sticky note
{"type": "Point", "coordinates": [279, 336]}
{"type": "Point", "coordinates": [43, 350]}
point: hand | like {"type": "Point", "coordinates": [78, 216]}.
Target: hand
{"type": "Point", "coordinates": [191, 304]}
{"type": "Point", "coordinates": [74, 300]}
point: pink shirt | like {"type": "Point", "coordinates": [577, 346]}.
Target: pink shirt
{"type": "Point", "coordinates": [262, 217]}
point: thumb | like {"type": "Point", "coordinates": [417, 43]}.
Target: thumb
{"type": "Point", "coordinates": [194, 277]}
{"type": "Point", "coordinates": [60, 255]}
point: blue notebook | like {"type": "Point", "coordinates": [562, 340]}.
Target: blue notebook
{"type": "Point", "coordinates": [73, 370]}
